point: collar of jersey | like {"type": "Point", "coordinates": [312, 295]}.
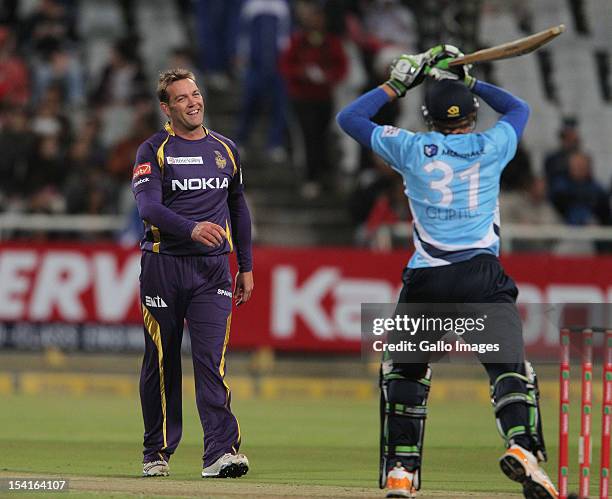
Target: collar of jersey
{"type": "Point", "coordinates": [168, 128]}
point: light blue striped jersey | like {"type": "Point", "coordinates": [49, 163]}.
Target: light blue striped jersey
{"type": "Point", "coordinates": [452, 183]}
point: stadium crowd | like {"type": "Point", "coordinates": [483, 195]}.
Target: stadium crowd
{"type": "Point", "coordinates": [62, 153]}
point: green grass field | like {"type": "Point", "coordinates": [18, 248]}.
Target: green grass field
{"type": "Point", "coordinates": [308, 445]}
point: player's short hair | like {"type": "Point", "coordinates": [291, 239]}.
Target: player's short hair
{"type": "Point", "coordinates": [449, 126]}
{"type": "Point", "coordinates": [168, 77]}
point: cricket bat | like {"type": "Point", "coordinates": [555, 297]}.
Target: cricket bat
{"type": "Point", "coordinates": [511, 49]}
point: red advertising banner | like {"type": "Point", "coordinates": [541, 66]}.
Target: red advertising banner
{"type": "Point", "coordinates": [304, 299]}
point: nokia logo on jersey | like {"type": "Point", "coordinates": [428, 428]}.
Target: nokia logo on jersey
{"type": "Point", "coordinates": [196, 184]}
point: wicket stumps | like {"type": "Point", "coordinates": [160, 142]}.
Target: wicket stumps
{"type": "Point", "coordinates": [606, 418]}
{"type": "Point", "coordinates": [564, 402]}
{"type": "Point", "coordinates": [586, 406]}
{"type": "Point", "coordinates": [584, 446]}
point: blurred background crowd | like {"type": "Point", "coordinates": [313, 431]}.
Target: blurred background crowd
{"type": "Point", "coordinates": [77, 84]}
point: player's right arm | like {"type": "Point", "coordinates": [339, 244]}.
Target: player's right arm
{"type": "Point", "coordinates": [147, 189]}
{"type": "Point", "coordinates": [514, 111]}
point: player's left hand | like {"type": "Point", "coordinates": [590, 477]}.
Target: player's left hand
{"type": "Point", "coordinates": [243, 288]}
{"type": "Point", "coordinates": [407, 71]}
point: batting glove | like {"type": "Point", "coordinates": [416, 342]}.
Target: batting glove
{"type": "Point", "coordinates": [407, 71]}
{"type": "Point", "coordinates": [439, 69]}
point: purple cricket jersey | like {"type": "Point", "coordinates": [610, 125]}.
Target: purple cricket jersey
{"type": "Point", "coordinates": [179, 182]}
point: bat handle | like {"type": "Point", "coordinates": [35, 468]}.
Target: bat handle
{"type": "Point", "coordinates": [442, 64]}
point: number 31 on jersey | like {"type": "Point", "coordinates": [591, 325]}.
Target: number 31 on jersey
{"type": "Point", "coordinates": [471, 175]}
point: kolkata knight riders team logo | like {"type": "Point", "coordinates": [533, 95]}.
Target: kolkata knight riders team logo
{"type": "Point", "coordinates": [220, 160]}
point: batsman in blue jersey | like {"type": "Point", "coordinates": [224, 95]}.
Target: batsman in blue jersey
{"type": "Point", "coordinates": [452, 176]}
{"type": "Point", "coordinates": [187, 181]}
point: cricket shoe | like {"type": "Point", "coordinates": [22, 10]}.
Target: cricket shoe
{"type": "Point", "coordinates": [156, 468]}
{"type": "Point", "coordinates": [522, 466]}
{"type": "Point", "coordinates": [400, 482]}
{"type": "Point", "coordinates": [227, 466]}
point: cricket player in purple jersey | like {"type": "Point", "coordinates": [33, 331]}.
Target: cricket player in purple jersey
{"type": "Point", "coordinates": [187, 182]}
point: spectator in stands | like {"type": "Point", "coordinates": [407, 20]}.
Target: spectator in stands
{"type": "Point", "coordinates": [518, 174]}
{"type": "Point", "coordinates": [50, 117]}
{"type": "Point", "coordinates": [50, 25]}
{"type": "Point", "coordinates": [375, 55]}
{"type": "Point", "coordinates": [217, 26]}
{"type": "Point", "coordinates": [528, 204]}
{"type": "Point", "coordinates": [17, 145]}
{"type": "Point", "coordinates": [124, 152]}
{"type": "Point", "coordinates": [523, 13]}
{"type": "Point", "coordinates": [391, 207]}
{"type": "Point", "coordinates": [49, 37]}
{"type": "Point", "coordinates": [123, 77]}
{"type": "Point", "coordinates": [88, 189]}
{"type": "Point", "coordinates": [183, 57]}
{"type": "Point", "coordinates": [313, 64]}
{"type": "Point", "coordinates": [59, 67]}
{"type": "Point", "coordinates": [8, 11]}
{"type": "Point", "coordinates": [355, 31]}
{"type": "Point", "coordinates": [14, 77]}
{"type": "Point", "coordinates": [578, 197]}
{"type": "Point", "coordinates": [87, 149]}
{"type": "Point", "coordinates": [392, 23]}
{"type": "Point", "coordinates": [375, 179]}
{"type": "Point", "coordinates": [92, 192]}
{"type": "Point", "coordinates": [46, 177]}
{"type": "Point", "coordinates": [264, 32]}
{"type": "Point", "coordinates": [556, 162]}
{"type": "Point", "coordinates": [123, 80]}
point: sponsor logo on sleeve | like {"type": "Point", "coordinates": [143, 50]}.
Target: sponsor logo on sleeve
{"type": "Point", "coordinates": [430, 150]}
{"type": "Point", "coordinates": [390, 131]}
{"type": "Point", "coordinates": [185, 160]}
{"type": "Point", "coordinates": [141, 169]}
{"type": "Point", "coordinates": [141, 181]}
